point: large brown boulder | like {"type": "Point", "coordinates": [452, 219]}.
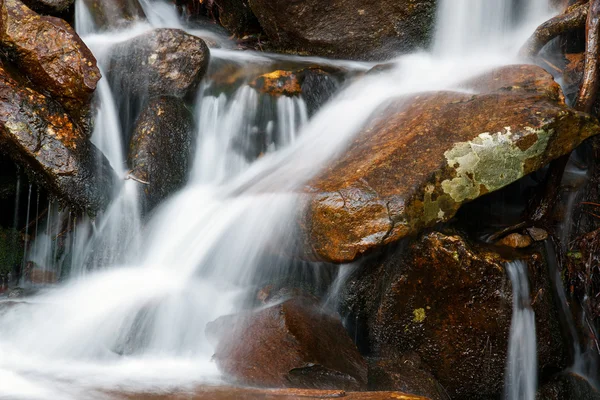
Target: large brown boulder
{"type": "Point", "coordinates": [450, 302]}
{"type": "Point", "coordinates": [356, 29]}
{"type": "Point", "coordinates": [160, 148]}
{"type": "Point", "coordinates": [111, 14]}
{"type": "Point", "coordinates": [51, 54]}
{"type": "Point", "coordinates": [291, 344]}
{"type": "Point", "coordinates": [36, 132]}
{"type": "Point", "coordinates": [423, 156]}
{"type": "Point", "coordinates": [162, 62]}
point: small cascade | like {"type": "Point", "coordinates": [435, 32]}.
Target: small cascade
{"type": "Point", "coordinates": [521, 367]}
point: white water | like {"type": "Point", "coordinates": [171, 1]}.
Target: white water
{"type": "Point", "coordinates": [521, 366]}
{"type": "Point", "coordinates": [138, 323]}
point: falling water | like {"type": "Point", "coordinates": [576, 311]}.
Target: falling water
{"type": "Point", "coordinates": [136, 322]}
{"type": "Point", "coordinates": [521, 366]}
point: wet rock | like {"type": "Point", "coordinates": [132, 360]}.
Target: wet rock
{"type": "Point", "coordinates": [36, 133]}
{"type": "Point", "coordinates": [568, 386]}
{"type": "Point", "coordinates": [419, 159]}
{"type": "Point", "coordinates": [516, 241]}
{"type": "Point", "coordinates": [228, 393]}
{"type": "Point", "coordinates": [406, 374]}
{"type": "Point", "coordinates": [354, 29]}
{"type": "Point", "coordinates": [318, 86]}
{"type": "Point", "coordinates": [112, 14]}
{"type": "Point", "coordinates": [291, 344]}
{"type": "Point", "coordinates": [52, 7]}
{"type": "Point", "coordinates": [162, 62]}
{"type": "Point", "coordinates": [51, 54]}
{"type": "Point", "coordinates": [451, 303]}
{"type": "Point", "coordinates": [278, 83]}
{"type": "Point", "coordinates": [236, 16]}
{"type": "Point", "coordinates": [160, 148]}
{"type": "Point", "coordinates": [537, 234]}
{"type": "Point", "coordinates": [39, 276]}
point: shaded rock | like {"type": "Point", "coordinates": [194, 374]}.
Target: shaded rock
{"type": "Point", "coordinates": [111, 14]}
{"type": "Point", "coordinates": [568, 386]}
{"type": "Point", "coordinates": [516, 241]}
{"type": "Point", "coordinates": [354, 29]}
{"type": "Point", "coordinates": [228, 393]}
{"type": "Point", "coordinates": [160, 148]}
{"type": "Point", "coordinates": [291, 344]}
{"type": "Point", "coordinates": [406, 374]}
{"type": "Point", "coordinates": [318, 86]}
{"type": "Point", "coordinates": [419, 159]}
{"type": "Point", "coordinates": [537, 234]}
{"type": "Point", "coordinates": [162, 62]}
{"type": "Point", "coordinates": [451, 303]}
{"type": "Point", "coordinates": [51, 54]}
{"type": "Point", "coordinates": [236, 16]}
{"type": "Point", "coordinates": [52, 7]}
{"type": "Point", "coordinates": [36, 132]}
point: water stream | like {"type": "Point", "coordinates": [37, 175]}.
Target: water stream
{"type": "Point", "coordinates": [132, 312]}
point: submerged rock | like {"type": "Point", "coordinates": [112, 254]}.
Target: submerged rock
{"type": "Point", "coordinates": [450, 303]}
{"type": "Point", "coordinates": [36, 133]}
{"type": "Point", "coordinates": [354, 29]}
{"type": "Point", "coordinates": [162, 62]}
{"type": "Point", "coordinates": [291, 344]}
{"type": "Point", "coordinates": [110, 14]}
{"type": "Point", "coordinates": [423, 156]}
{"type": "Point", "coordinates": [51, 54]}
{"type": "Point", "coordinates": [160, 148]}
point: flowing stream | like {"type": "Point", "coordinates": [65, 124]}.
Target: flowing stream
{"type": "Point", "coordinates": [133, 312]}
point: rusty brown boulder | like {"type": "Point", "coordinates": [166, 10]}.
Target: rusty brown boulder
{"type": "Point", "coordinates": [162, 62]}
{"type": "Point", "coordinates": [291, 344]}
{"type": "Point", "coordinates": [160, 148]}
{"type": "Point", "coordinates": [356, 29]}
{"type": "Point", "coordinates": [37, 133]}
{"type": "Point", "coordinates": [419, 159]}
{"type": "Point", "coordinates": [110, 14]}
{"type": "Point", "coordinates": [450, 302]}
{"type": "Point", "coordinates": [51, 54]}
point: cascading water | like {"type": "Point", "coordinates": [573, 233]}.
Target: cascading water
{"type": "Point", "coordinates": [521, 367]}
{"type": "Point", "coordinates": [138, 323]}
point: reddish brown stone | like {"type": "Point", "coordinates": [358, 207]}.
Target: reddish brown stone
{"type": "Point", "coordinates": [278, 83]}
{"type": "Point", "coordinates": [423, 156]}
{"type": "Point", "coordinates": [516, 241]}
{"type": "Point", "coordinates": [36, 133]}
{"type": "Point", "coordinates": [51, 54]}
{"type": "Point", "coordinates": [291, 344]}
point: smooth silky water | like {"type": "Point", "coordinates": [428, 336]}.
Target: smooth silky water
{"type": "Point", "coordinates": [131, 317]}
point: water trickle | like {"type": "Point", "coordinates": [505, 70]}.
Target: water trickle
{"type": "Point", "coordinates": [521, 367]}
{"type": "Point", "coordinates": [24, 261]}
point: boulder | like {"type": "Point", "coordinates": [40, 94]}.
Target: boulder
{"type": "Point", "coordinates": [290, 344]}
{"type": "Point", "coordinates": [450, 303]}
{"type": "Point", "coordinates": [161, 62]}
{"type": "Point", "coordinates": [235, 16]}
{"type": "Point", "coordinates": [405, 374]}
{"type": "Point", "coordinates": [421, 157]}
{"type": "Point", "coordinates": [52, 7]}
{"type": "Point", "coordinates": [52, 56]}
{"type": "Point", "coordinates": [355, 29]}
{"type": "Point", "coordinates": [160, 148]}
{"type": "Point", "coordinates": [37, 133]}
{"type": "Point", "coordinates": [568, 386]}
{"type": "Point", "coordinates": [113, 14]}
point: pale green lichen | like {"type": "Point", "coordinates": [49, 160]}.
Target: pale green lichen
{"type": "Point", "coordinates": [490, 160]}
{"type": "Point", "coordinates": [419, 314]}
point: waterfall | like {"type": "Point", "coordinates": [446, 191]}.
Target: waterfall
{"type": "Point", "coordinates": [521, 366]}
{"type": "Point", "coordinates": [133, 316]}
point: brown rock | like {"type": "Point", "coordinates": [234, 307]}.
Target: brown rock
{"type": "Point", "coordinates": [406, 374]}
{"type": "Point", "coordinates": [355, 29]}
{"type": "Point", "coordinates": [162, 62]}
{"type": "Point", "coordinates": [36, 133]}
{"type": "Point", "coordinates": [51, 54]}
{"type": "Point", "coordinates": [52, 7]}
{"type": "Point", "coordinates": [235, 16]}
{"type": "Point", "coordinates": [278, 83]}
{"type": "Point", "coordinates": [568, 386]}
{"type": "Point", "coordinates": [228, 393]}
{"type": "Point", "coordinates": [516, 241]}
{"type": "Point", "coordinates": [537, 234]}
{"type": "Point", "coordinates": [40, 276]}
{"type": "Point", "coordinates": [110, 14]}
{"type": "Point", "coordinates": [291, 344]}
{"type": "Point", "coordinates": [160, 148]}
{"type": "Point", "coordinates": [423, 156]}
{"type": "Point", "coordinates": [451, 303]}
